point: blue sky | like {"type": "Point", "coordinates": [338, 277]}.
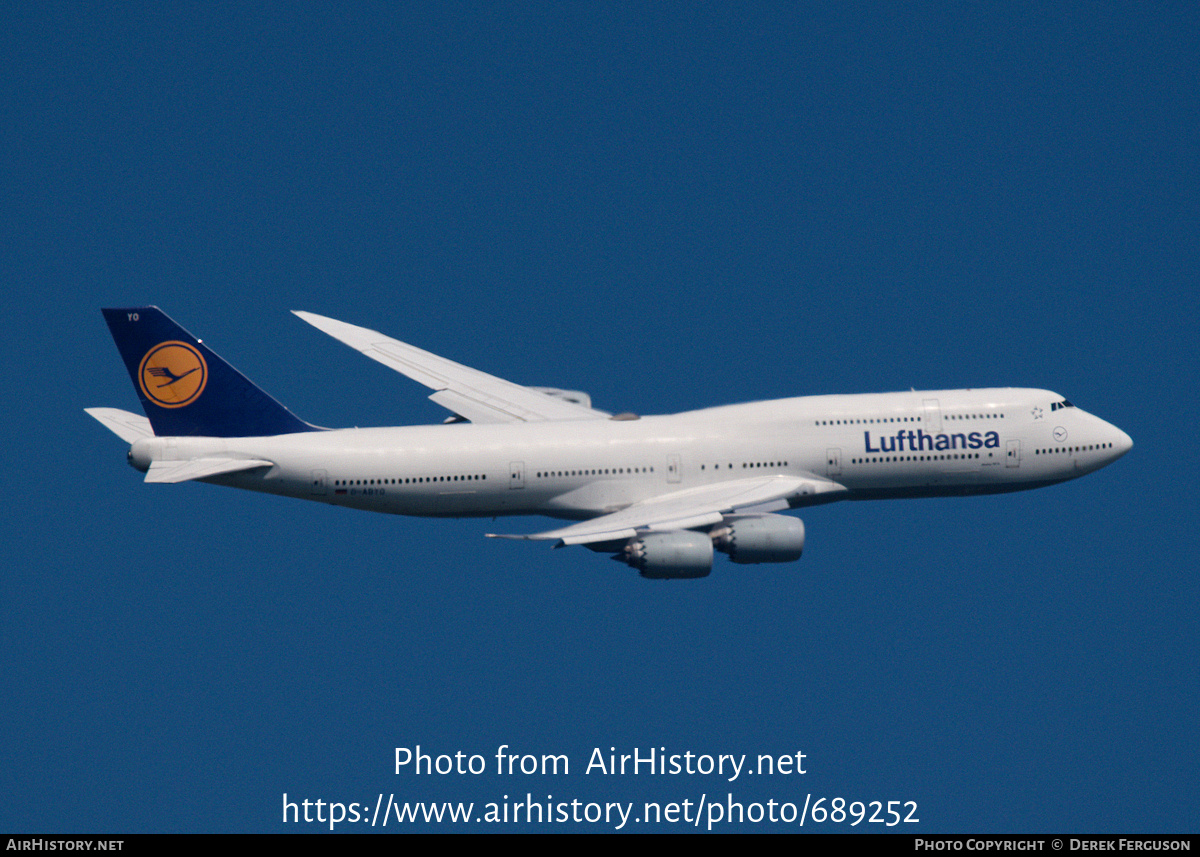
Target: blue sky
{"type": "Point", "coordinates": [669, 208]}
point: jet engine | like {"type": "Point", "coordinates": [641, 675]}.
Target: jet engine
{"type": "Point", "coordinates": [680, 554]}
{"type": "Point", "coordinates": [760, 538]}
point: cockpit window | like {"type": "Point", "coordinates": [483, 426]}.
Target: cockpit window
{"type": "Point", "coordinates": [1063, 404]}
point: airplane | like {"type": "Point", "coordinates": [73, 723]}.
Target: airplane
{"type": "Point", "coordinates": [659, 493]}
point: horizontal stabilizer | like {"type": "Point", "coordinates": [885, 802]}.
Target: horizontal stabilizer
{"type": "Point", "coordinates": [128, 427]}
{"type": "Point", "coordinates": [692, 507]}
{"type": "Point", "coordinates": [474, 395]}
{"type": "Point", "coordinates": [199, 468]}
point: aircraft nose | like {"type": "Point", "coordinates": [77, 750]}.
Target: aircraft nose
{"type": "Point", "coordinates": [1121, 442]}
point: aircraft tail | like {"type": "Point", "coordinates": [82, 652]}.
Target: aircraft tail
{"type": "Point", "coordinates": [185, 388]}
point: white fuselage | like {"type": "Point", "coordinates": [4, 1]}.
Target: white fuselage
{"type": "Point", "coordinates": [875, 445]}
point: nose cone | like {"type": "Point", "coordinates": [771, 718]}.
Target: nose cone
{"type": "Point", "coordinates": [1122, 444]}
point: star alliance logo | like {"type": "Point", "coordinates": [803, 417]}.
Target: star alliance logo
{"type": "Point", "coordinates": [1037, 413]}
{"type": "Point", "coordinates": [173, 374]}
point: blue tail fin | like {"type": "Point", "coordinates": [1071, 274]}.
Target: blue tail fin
{"type": "Point", "coordinates": [186, 389]}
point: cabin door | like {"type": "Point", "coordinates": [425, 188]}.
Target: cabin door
{"type": "Point", "coordinates": [833, 462]}
{"type": "Point", "coordinates": [933, 416]}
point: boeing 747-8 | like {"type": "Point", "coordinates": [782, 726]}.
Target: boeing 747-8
{"type": "Point", "coordinates": [658, 492]}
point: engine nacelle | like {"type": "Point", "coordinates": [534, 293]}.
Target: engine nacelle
{"type": "Point", "coordinates": [760, 538]}
{"type": "Point", "coordinates": [680, 554]}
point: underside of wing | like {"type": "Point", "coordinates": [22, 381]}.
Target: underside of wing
{"type": "Point", "coordinates": [199, 468]}
{"type": "Point", "coordinates": [469, 393]}
{"type": "Point", "coordinates": [694, 507]}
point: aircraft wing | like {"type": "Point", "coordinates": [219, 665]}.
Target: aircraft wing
{"type": "Point", "coordinates": [474, 395]}
{"type": "Point", "coordinates": [199, 468]}
{"type": "Point", "coordinates": [692, 507]}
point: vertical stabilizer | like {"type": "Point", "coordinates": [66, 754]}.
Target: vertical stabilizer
{"type": "Point", "coordinates": [185, 388]}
